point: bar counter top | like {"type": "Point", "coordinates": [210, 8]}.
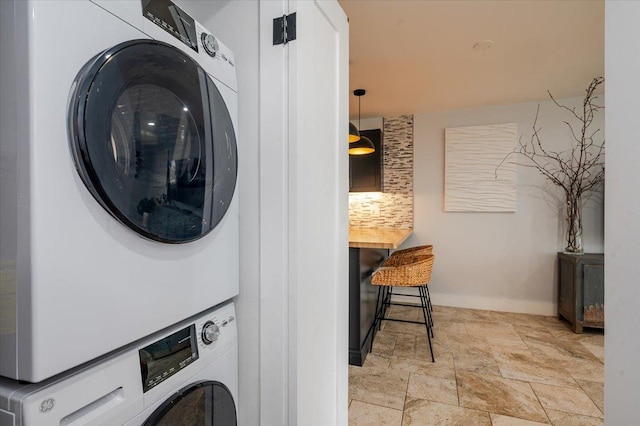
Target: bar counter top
{"type": "Point", "coordinates": [381, 238]}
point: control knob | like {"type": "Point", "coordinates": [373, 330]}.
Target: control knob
{"type": "Point", "coordinates": [210, 332]}
{"type": "Point", "coordinates": [210, 44]}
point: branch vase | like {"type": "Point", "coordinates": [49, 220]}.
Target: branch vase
{"type": "Point", "coordinates": [574, 226]}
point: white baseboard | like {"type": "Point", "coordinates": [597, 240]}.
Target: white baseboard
{"type": "Point", "coordinates": [485, 303]}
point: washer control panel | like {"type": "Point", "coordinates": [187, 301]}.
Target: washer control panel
{"type": "Point", "coordinates": [167, 354]}
{"type": "Point", "coordinates": [213, 328]}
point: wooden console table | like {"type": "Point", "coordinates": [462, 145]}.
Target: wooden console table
{"type": "Point", "coordinates": [581, 290]}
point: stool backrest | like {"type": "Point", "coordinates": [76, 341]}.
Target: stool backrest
{"type": "Point", "coordinates": [414, 272]}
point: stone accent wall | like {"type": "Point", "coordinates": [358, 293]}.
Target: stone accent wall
{"type": "Point", "coordinates": [395, 203]}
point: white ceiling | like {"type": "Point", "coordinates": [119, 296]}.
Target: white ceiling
{"type": "Point", "coordinates": [417, 56]}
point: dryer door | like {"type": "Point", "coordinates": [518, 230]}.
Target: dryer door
{"type": "Point", "coordinates": [206, 403]}
{"type": "Point", "coordinates": [153, 141]}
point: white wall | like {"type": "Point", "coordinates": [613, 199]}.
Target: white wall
{"type": "Point", "coordinates": [369, 123]}
{"type": "Point", "coordinates": [622, 205]}
{"type": "Point", "coordinates": [497, 261]}
{"type": "Point", "coordinates": [236, 24]}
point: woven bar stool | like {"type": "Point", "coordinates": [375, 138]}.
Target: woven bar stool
{"type": "Point", "coordinates": [413, 251]}
{"type": "Point", "coordinates": [415, 272]}
{"type": "Point", "coordinates": [400, 257]}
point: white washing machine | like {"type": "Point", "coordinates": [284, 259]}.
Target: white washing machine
{"type": "Point", "coordinates": [185, 375]}
{"type": "Point", "coordinates": [118, 200]}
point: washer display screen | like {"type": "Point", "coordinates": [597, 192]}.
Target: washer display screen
{"type": "Point", "coordinates": [164, 358]}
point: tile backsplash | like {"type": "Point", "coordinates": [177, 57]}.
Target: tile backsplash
{"type": "Point", "coordinates": [392, 208]}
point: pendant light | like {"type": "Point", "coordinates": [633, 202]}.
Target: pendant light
{"type": "Point", "coordinates": [363, 145]}
{"type": "Point", "coordinates": [354, 134]}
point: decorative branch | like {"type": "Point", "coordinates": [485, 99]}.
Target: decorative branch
{"type": "Point", "coordinates": [578, 171]}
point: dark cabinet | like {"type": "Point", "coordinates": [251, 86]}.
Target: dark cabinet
{"type": "Point", "coordinates": [581, 290]}
{"type": "Point", "coordinates": [365, 171]}
{"type": "Point", "coordinates": [362, 300]}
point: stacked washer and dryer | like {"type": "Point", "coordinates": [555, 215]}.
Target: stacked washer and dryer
{"type": "Point", "coordinates": [118, 216]}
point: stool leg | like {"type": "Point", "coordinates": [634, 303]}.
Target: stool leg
{"type": "Point", "coordinates": [426, 321]}
{"type": "Point", "coordinates": [424, 297]}
{"type": "Point", "coordinates": [387, 299]}
{"type": "Point", "coordinates": [428, 302]}
{"type": "Point", "coordinates": [379, 307]}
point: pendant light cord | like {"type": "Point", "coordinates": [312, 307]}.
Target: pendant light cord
{"type": "Point", "coordinates": [359, 126]}
{"type": "Point", "coordinates": [359, 93]}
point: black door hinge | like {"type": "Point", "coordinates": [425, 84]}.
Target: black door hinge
{"type": "Point", "coordinates": [284, 29]}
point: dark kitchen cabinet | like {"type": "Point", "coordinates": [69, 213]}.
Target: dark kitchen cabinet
{"type": "Point", "coordinates": [581, 290]}
{"type": "Point", "coordinates": [362, 300]}
{"type": "Point", "coordinates": [365, 171]}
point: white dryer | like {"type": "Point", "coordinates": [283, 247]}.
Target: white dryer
{"type": "Point", "coordinates": [185, 375]}
{"type": "Point", "coordinates": [118, 200]}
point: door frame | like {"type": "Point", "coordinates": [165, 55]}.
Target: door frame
{"type": "Point", "coordinates": [303, 373]}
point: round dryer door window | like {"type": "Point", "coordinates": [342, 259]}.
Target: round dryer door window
{"type": "Point", "coordinates": [201, 404]}
{"type": "Point", "coordinates": [153, 140]}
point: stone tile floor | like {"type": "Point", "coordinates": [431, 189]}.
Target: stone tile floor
{"type": "Point", "coordinates": [492, 368]}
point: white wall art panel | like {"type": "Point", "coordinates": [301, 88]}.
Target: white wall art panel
{"type": "Point", "coordinates": [473, 182]}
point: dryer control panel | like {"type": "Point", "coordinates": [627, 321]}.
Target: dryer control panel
{"type": "Point", "coordinates": [173, 20]}
{"type": "Point", "coordinates": [165, 21]}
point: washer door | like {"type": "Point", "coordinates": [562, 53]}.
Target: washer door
{"type": "Point", "coordinates": [206, 403]}
{"type": "Point", "coordinates": [153, 141]}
